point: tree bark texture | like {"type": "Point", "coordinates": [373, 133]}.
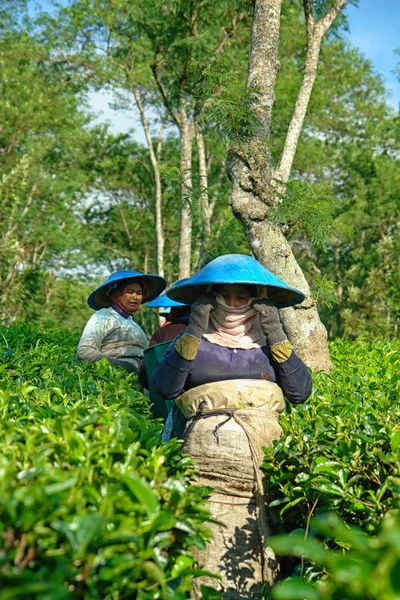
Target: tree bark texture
{"type": "Point", "coordinates": [155, 159]}
{"type": "Point", "coordinates": [263, 61]}
{"type": "Point", "coordinates": [185, 241]}
{"type": "Point", "coordinates": [207, 204]}
{"type": "Point", "coordinates": [254, 182]}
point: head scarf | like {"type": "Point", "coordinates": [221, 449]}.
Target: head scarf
{"type": "Point", "coordinates": [235, 327]}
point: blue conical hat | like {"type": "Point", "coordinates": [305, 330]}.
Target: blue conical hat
{"type": "Point", "coordinates": [100, 297]}
{"type": "Point", "coordinates": [164, 302]}
{"type": "Point", "coordinates": [240, 269]}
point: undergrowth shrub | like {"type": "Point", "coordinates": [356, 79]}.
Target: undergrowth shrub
{"type": "Point", "coordinates": [368, 570]}
{"type": "Point", "coordinates": [92, 504]}
{"type": "Point", "coordinates": [340, 452]}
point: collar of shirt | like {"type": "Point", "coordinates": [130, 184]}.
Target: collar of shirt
{"type": "Point", "coordinates": [121, 311]}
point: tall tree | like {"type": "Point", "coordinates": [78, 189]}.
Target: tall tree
{"type": "Point", "coordinates": [255, 181]}
{"type": "Point", "coordinates": [154, 53]}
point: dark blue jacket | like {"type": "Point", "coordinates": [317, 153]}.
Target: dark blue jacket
{"type": "Point", "coordinates": [175, 374]}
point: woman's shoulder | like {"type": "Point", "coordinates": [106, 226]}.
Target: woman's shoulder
{"type": "Point", "coordinates": [103, 313]}
{"type": "Point", "coordinates": [102, 316]}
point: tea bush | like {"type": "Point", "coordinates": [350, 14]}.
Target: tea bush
{"type": "Point", "coordinates": [341, 453]}
{"type": "Point", "coordinates": [92, 504]}
{"type": "Point", "coordinates": [369, 570]}
{"type": "Point", "coordinates": [341, 450]}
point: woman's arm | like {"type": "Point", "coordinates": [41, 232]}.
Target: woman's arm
{"type": "Point", "coordinates": [89, 347]}
{"type": "Point", "coordinates": [292, 375]}
{"type": "Point", "coordinates": [170, 376]}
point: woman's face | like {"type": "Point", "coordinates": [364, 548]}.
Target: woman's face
{"type": "Point", "coordinates": [234, 295]}
{"type": "Point", "coordinates": [130, 297]}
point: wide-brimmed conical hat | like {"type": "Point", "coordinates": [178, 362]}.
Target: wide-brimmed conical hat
{"type": "Point", "coordinates": [100, 297]}
{"type": "Point", "coordinates": [164, 302]}
{"type": "Point", "coordinates": [239, 269]}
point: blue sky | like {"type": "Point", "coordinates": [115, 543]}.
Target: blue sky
{"type": "Point", "coordinates": [375, 29]}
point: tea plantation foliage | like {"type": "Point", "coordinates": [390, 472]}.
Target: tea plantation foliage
{"type": "Point", "coordinates": [93, 506]}
{"type": "Point", "coordinates": [341, 453]}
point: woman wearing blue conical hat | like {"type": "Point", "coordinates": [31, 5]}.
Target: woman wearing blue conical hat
{"type": "Point", "coordinates": [177, 316]}
{"type": "Point", "coordinates": [112, 333]}
{"type": "Point", "coordinates": [229, 372]}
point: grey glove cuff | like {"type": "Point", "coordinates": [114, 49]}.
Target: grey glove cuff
{"type": "Point", "coordinates": [130, 364]}
{"type": "Point", "coordinates": [270, 322]}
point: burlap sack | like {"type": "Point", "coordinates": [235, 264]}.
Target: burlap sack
{"type": "Point", "coordinates": [229, 422]}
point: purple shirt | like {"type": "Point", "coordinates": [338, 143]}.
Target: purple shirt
{"type": "Point", "coordinates": [175, 374]}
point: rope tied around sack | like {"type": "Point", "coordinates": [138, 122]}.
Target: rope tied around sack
{"type": "Point", "coordinates": [201, 414]}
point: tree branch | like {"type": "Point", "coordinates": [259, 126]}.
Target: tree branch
{"type": "Point", "coordinates": [228, 33]}
{"type": "Point", "coordinates": [218, 186]}
{"type": "Point", "coordinates": [124, 222]}
{"type": "Point", "coordinates": [174, 114]}
{"type": "Point", "coordinates": [12, 227]}
{"type": "Point", "coordinates": [326, 21]}
{"type": "Point", "coordinates": [111, 249]}
{"type": "Point", "coordinates": [315, 33]}
{"type": "Point", "coordinates": [308, 13]}
{"type": "Point", "coordinates": [145, 125]}
{"type": "Point", "coordinates": [155, 158]}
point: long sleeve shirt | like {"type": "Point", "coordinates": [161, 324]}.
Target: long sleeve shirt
{"type": "Point", "coordinates": [216, 363]}
{"type": "Point", "coordinates": [167, 332]}
{"type": "Point", "coordinates": [114, 336]}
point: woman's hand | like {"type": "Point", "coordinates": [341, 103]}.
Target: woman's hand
{"type": "Point", "coordinates": [270, 322]}
{"type": "Point", "coordinates": [200, 315]}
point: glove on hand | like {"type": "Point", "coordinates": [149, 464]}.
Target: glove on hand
{"type": "Point", "coordinates": [200, 315]}
{"type": "Point", "coordinates": [270, 322]}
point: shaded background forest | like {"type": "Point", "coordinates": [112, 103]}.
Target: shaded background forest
{"type": "Point", "coordinates": [77, 201]}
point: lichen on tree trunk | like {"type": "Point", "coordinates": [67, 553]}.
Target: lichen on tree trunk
{"type": "Point", "coordinates": [270, 247]}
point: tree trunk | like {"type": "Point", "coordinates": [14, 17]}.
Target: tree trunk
{"type": "Point", "coordinates": [205, 212]}
{"type": "Point", "coordinates": [155, 159]}
{"type": "Point", "coordinates": [186, 130]}
{"type": "Point", "coordinates": [185, 241]}
{"type": "Point", "coordinates": [253, 191]}
{"type": "Point", "coordinates": [159, 208]}
{"type": "Point", "coordinates": [207, 203]}
{"type": "Point", "coordinates": [315, 33]}
{"type": "Point", "coordinates": [302, 323]}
